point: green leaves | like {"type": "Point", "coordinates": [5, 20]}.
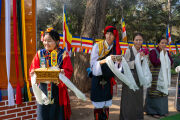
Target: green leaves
{"type": "Point", "coordinates": [147, 16]}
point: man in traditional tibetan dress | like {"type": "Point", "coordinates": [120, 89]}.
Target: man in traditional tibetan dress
{"type": "Point", "coordinates": [103, 77]}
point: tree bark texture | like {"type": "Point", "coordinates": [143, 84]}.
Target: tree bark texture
{"type": "Point", "coordinates": [93, 25]}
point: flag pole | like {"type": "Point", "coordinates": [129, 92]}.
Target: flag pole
{"type": "Point", "coordinates": [169, 38]}
{"type": "Point", "coordinates": [63, 29]}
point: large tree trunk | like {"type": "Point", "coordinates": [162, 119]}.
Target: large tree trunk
{"type": "Point", "coordinates": [94, 19]}
{"type": "Point", "coordinates": [93, 25]}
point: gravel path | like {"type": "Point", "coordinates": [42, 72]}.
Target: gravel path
{"type": "Point", "coordinates": [84, 110]}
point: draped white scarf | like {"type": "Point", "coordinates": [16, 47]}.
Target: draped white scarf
{"type": "Point", "coordinates": [8, 49]}
{"type": "Point", "coordinates": [41, 98]}
{"type": "Point", "coordinates": [127, 78]}
{"type": "Point", "coordinates": [164, 77]}
{"type": "Point", "coordinates": [143, 71]}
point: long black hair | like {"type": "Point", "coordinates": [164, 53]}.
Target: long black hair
{"type": "Point", "coordinates": [54, 35]}
{"type": "Point", "coordinates": [159, 40]}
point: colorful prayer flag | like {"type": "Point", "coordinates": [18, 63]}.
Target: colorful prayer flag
{"type": "Point", "coordinates": [67, 36]}
{"type": "Point", "coordinates": [168, 34]}
{"type": "Point", "coordinates": [124, 36]}
{"type": "Point", "coordinates": [168, 37]}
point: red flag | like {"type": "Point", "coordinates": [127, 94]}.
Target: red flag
{"type": "Point", "coordinates": [18, 88]}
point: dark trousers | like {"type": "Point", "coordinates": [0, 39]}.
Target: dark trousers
{"type": "Point", "coordinates": [50, 112]}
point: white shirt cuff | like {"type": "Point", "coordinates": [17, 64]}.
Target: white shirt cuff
{"type": "Point", "coordinates": [97, 69]}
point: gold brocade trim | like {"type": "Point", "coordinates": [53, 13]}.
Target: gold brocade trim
{"type": "Point", "coordinates": [53, 58]}
{"type": "Point", "coordinates": [103, 51]}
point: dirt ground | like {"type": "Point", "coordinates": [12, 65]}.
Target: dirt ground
{"type": "Point", "coordinates": [84, 110]}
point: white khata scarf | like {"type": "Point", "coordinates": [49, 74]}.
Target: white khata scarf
{"type": "Point", "coordinates": [164, 77]}
{"type": "Point", "coordinates": [127, 77]}
{"type": "Point", "coordinates": [143, 71]}
{"type": "Point", "coordinates": [41, 98]}
{"type": "Point", "coordinates": [177, 69]}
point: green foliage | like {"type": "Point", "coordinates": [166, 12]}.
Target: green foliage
{"type": "Point", "coordinates": [176, 60]}
{"type": "Point", "coordinates": [147, 16]}
{"type": "Point", "coordinates": [50, 14]}
{"type": "Point", "coordinates": [173, 72]}
{"type": "Point", "coordinates": [172, 117]}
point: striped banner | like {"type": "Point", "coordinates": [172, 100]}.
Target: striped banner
{"type": "Point", "coordinates": [76, 44]}
{"type": "Point", "coordinates": [85, 45]}
{"type": "Point", "coordinates": [151, 46]}
{"type": "Point", "coordinates": [178, 46]}
{"type": "Point", "coordinates": [171, 48]}
{"type": "Point", "coordinates": [144, 45]}
{"type": "Point", "coordinates": [130, 43]}
{"type": "Point", "coordinates": [8, 49]}
{"type": "Point", "coordinates": [124, 46]}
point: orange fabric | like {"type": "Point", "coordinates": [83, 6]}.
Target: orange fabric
{"type": "Point", "coordinates": [30, 8]}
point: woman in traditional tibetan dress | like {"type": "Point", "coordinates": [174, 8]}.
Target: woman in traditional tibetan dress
{"type": "Point", "coordinates": [132, 101]}
{"type": "Point", "coordinates": [59, 106]}
{"type": "Point", "coordinates": [102, 76]}
{"type": "Point", "coordinates": [157, 95]}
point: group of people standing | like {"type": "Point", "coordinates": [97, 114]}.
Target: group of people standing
{"type": "Point", "coordinates": [103, 78]}
{"type": "Point", "coordinates": [132, 105]}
